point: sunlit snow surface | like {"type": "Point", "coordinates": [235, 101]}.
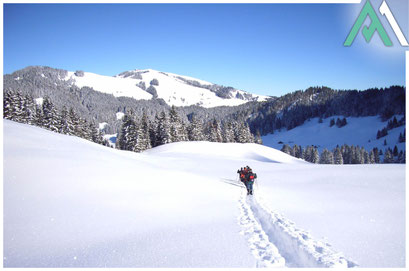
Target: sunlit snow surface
{"type": "Point", "coordinates": [72, 203]}
{"type": "Point", "coordinates": [171, 88]}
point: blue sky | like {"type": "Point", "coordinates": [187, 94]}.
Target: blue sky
{"type": "Point", "coordinates": [269, 49]}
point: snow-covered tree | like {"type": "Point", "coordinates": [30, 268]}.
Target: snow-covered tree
{"type": "Point", "coordinates": [63, 121]}
{"type": "Point", "coordinates": [338, 160]}
{"type": "Point", "coordinates": [388, 157]}
{"type": "Point", "coordinates": [228, 133]}
{"type": "Point", "coordinates": [365, 156]}
{"type": "Point", "coordinates": [128, 135]}
{"type": "Point", "coordinates": [315, 156]}
{"type": "Point", "coordinates": [327, 157]}
{"type": "Point", "coordinates": [376, 155]}
{"type": "Point", "coordinates": [371, 157]}
{"type": "Point", "coordinates": [297, 151]}
{"type": "Point", "coordinates": [163, 132]}
{"type": "Point", "coordinates": [243, 134]}
{"type": "Point", "coordinates": [144, 133]}
{"type": "Point", "coordinates": [196, 130]}
{"type": "Point", "coordinates": [287, 149]}
{"type": "Point", "coordinates": [177, 128]}
{"type": "Point", "coordinates": [50, 116]}
{"type": "Point", "coordinates": [215, 132]}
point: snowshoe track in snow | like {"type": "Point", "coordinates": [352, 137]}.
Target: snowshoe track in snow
{"type": "Point", "coordinates": [265, 252]}
{"type": "Point", "coordinates": [276, 242]}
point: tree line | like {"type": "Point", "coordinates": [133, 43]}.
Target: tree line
{"type": "Point", "coordinates": [293, 109]}
{"type": "Point", "coordinates": [24, 109]}
{"type": "Point", "coordinates": [136, 134]}
{"type": "Point", "coordinates": [393, 123]}
{"type": "Point", "coordinates": [140, 133]}
{"type": "Point", "coordinates": [346, 155]}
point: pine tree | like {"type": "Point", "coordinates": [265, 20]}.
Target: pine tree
{"type": "Point", "coordinates": [177, 128]}
{"type": "Point", "coordinates": [315, 158]}
{"type": "Point", "coordinates": [402, 157]}
{"type": "Point", "coordinates": [244, 134]}
{"type": "Point", "coordinates": [50, 115]}
{"type": "Point", "coordinates": [153, 129]}
{"type": "Point", "coordinates": [16, 107]}
{"type": "Point", "coordinates": [365, 156]}
{"type": "Point", "coordinates": [94, 134]}
{"type": "Point", "coordinates": [327, 157]}
{"type": "Point", "coordinates": [38, 116]}
{"type": "Point", "coordinates": [308, 153]}
{"type": "Point", "coordinates": [28, 109]}
{"type": "Point", "coordinates": [63, 122]}
{"type": "Point", "coordinates": [81, 130]}
{"type": "Point", "coordinates": [139, 144]}
{"type": "Point", "coordinates": [395, 150]}
{"type": "Point", "coordinates": [196, 130]}
{"type": "Point", "coordinates": [338, 156]}
{"type": "Point", "coordinates": [372, 157]}
{"type": "Point", "coordinates": [297, 151]}
{"type": "Point", "coordinates": [287, 149]}
{"type": "Point", "coordinates": [343, 122]}
{"type": "Point", "coordinates": [215, 132]}
{"type": "Point", "coordinates": [163, 133]}
{"type": "Point", "coordinates": [338, 123]}
{"type": "Point", "coordinates": [127, 138]}
{"type": "Point", "coordinates": [402, 137]}
{"type": "Point", "coordinates": [376, 155]}
{"type": "Point", "coordinates": [7, 102]}
{"type": "Point", "coordinates": [228, 133]}
{"type": "Point", "coordinates": [72, 122]}
{"type": "Point", "coordinates": [145, 132]}
{"type": "Point", "coordinates": [388, 158]}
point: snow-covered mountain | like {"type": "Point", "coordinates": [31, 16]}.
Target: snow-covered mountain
{"type": "Point", "coordinates": [72, 203]}
{"type": "Point", "coordinates": [174, 89]}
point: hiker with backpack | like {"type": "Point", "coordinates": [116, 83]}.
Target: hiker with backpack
{"type": "Point", "coordinates": [247, 177]}
{"type": "Point", "coordinates": [250, 179]}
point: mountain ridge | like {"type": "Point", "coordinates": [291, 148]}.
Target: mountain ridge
{"type": "Point", "coordinates": [146, 84]}
{"type": "Point", "coordinates": [287, 111]}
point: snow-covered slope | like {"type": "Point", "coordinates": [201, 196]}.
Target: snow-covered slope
{"type": "Point", "coordinates": [110, 85]}
{"type": "Point", "coordinates": [72, 203]}
{"type": "Point", "coordinates": [174, 89]}
{"type": "Point", "coordinates": [359, 131]}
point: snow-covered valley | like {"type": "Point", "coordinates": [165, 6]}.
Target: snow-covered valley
{"type": "Point", "coordinates": [72, 203]}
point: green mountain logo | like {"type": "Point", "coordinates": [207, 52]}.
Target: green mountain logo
{"type": "Point", "coordinates": [375, 26]}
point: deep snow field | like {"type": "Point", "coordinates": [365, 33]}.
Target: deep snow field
{"type": "Point", "coordinates": [72, 203]}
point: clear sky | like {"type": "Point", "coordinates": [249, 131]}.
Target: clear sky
{"type": "Point", "coordinates": [269, 49]}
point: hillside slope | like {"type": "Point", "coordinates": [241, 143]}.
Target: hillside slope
{"type": "Point", "coordinates": [146, 84]}
{"type": "Point", "coordinates": [360, 131]}
{"type": "Point", "coordinates": [72, 203]}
